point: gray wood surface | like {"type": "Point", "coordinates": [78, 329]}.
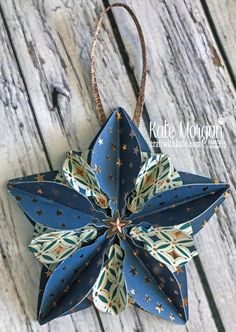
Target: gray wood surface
{"type": "Point", "coordinates": [46, 108]}
{"type": "Point", "coordinates": [223, 14]}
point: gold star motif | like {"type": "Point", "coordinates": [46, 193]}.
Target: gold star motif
{"type": "Point", "coordinates": [119, 162]}
{"type": "Point", "coordinates": [124, 147]}
{"type": "Point", "coordinates": [97, 169]}
{"type": "Point", "coordinates": [135, 150]}
{"type": "Point", "coordinates": [159, 308]}
{"type": "Point", "coordinates": [48, 273]}
{"type": "Point", "coordinates": [132, 291]}
{"type": "Point", "coordinates": [118, 116]}
{"type": "Point", "coordinates": [226, 194]}
{"type": "Point", "coordinates": [116, 225]}
{"type": "Point", "coordinates": [40, 191]}
{"type": "Point", "coordinates": [39, 178]}
{"type": "Point", "coordinates": [100, 141]}
{"type": "Point", "coordinates": [171, 316]}
{"type": "Point", "coordinates": [133, 271]}
{"type": "Point", "coordinates": [215, 181]}
{"type": "Point", "coordinates": [204, 223]}
{"type": "Point", "coordinates": [185, 301]}
{"type": "Point", "coordinates": [147, 298]}
{"type": "Point", "coordinates": [132, 134]}
{"type": "Point", "coordinates": [113, 147]}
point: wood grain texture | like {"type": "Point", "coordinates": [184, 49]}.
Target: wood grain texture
{"type": "Point", "coordinates": [188, 85]}
{"type": "Point", "coordinates": [223, 13]}
{"type": "Point", "coordinates": [50, 65]}
{"type": "Point", "coordinates": [21, 145]}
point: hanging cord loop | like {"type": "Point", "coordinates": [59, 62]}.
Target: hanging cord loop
{"type": "Point", "coordinates": [140, 100]}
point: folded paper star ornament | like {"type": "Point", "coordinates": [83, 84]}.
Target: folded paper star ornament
{"type": "Point", "coordinates": [115, 226]}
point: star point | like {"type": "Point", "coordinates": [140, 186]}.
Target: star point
{"type": "Point", "coordinates": [118, 115]}
{"type": "Point", "coordinates": [48, 273]}
{"type": "Point", "coordinates": [113, 146]}
{"type": "Point", "coordinates": [116, 225]}
{"type": "Point", "coordinates": [132, 291]}
{"type": "Point", "coordinates": [124, 147]}
{"type": "Point", "coordinates": [119, 162]}
{"type": "Point", "coordinates": [39, 177]}
{"type": "Point", "coordinates": [171, 316]}
{"type": "Point", "coordinates": [97, 169]}
{"type": "Point", "coordinates": [100, 141]}
{"type": "Point", "coordinates": [132, 134]}
{"type": "Point", "coordinates": [39, 191]}
{"type": "Point", "coordinates": [133, 271]}
{"type": "Point", "coordinates": [147, 298]}
{"type": "Point", "coordinates": [136, 150]}
{"type": "Point", "coordinates": [159, 308]}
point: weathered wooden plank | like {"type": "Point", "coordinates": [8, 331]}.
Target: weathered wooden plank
{"type": "Point", "coordinates": [187, 84]}
{"type": "Point", "coordinates": [49, 119]}
{"type": "Point", "coordinates": [222, 14]}
{"type": "Point", "coordinates": [21, 153]}
{"type": "Point", "coordinates": [59, 33]}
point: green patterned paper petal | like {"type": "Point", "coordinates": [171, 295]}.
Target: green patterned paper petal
{"type": "Point", "coordinates": [109, 292]}
{"type": "Point", "coordinates": [81, 178]}
{"type": "Point", "coordinates": [53, 247]}
{"type": "Point", "coordinates": [156, 175]}
{"type": "Point", "coordinates": [169, 245]}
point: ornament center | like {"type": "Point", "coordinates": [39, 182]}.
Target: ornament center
{"type": "Point", "coordinates": [116, 225]}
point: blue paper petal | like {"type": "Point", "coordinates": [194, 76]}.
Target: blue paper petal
{"type": "Point", "coordinates": [193, 202]}
{"type": "Point", "coordinates": [46, 176]}
{"type": "Point", "coordinates": [72, 281]}
{"type": "Point", "coordinates": [116, 152]}
{"type": "Point", "coordinates": [55, 205]}
{"type": "Point", "coordinates": [141, 141]}
{"type": "Point", "coordinates": [167, 281]}
{"type": "Point", "coordinates": [181, 277]}
{"type": "Point", "coordinates": [189, 178]}
{"type": "Point", "coordinates": [143, 146]}
{"type": "Point", "coordinates": [43, 281]}
{"type": "Point", "coordinates": [148, 296]}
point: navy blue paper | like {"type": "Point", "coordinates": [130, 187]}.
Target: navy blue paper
{"type": "Point", "coordinates": [116, 156]}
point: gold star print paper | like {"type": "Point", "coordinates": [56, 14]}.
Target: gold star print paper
{"type": "Point", "coordinates": [115, 226]}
